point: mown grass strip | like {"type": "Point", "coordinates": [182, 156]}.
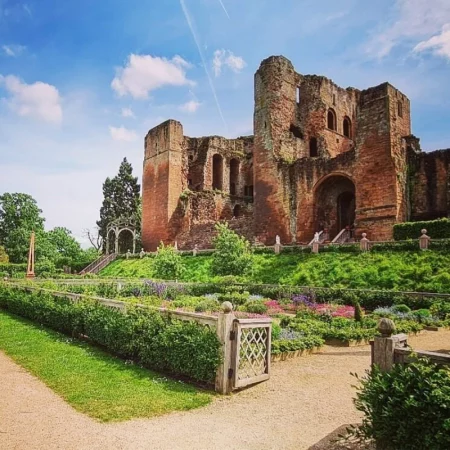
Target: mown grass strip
{"type": "Point", "coordinates": [93, 382]}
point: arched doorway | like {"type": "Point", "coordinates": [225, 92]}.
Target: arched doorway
{"type": "Point", "coordinates": [217, 172]}
{"type": "Point", "coordinates": [234, 176]}
{"type": "Point", "coordinates": [334, 204]}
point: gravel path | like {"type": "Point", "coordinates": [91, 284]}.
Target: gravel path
{"type": "Point", "coordinates": [305, 400]}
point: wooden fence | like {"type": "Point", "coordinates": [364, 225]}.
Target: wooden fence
{"type": "Point", "coordinates": [389, 349]}
{"type": "Point", "coordinates": [245, 343]}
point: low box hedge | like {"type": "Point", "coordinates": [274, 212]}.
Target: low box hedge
{"type": "Point", "coordinates": [436, 229]}
{"type": "Point", "coordinates": [161, 343]}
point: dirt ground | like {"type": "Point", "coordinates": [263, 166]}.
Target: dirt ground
{"type": "Point", "coordinates": [305, 400]}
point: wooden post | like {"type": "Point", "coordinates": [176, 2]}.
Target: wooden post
{"type": "Point", "coordinates": [30, 267]}
{"type": "Point", "coordinates": [384, 345]}
{"type": "Point", "coordinates": [364, 243]}
{"type": "Point", "coordinates": [424, 240]}
{"type": "Point", "coordinates": [224, 328]}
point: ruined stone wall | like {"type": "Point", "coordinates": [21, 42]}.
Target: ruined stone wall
{"type": "Point", "coordinates": [429, 184]}
{"type": "Point", "coordinates": [179, 201]}
{"type": "Point", "coordinates": [164, 179]}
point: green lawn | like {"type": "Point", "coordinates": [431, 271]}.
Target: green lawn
{"type": "Point", "coordinates": [93, 382]}
{"type": "Point", "coordinates": [399, 270]}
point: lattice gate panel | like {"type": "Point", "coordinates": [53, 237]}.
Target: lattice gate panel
{"type": "Point", "coordinates": [251, 353]}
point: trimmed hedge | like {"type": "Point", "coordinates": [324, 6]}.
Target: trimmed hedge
{"type": "Point", "coordinates": [436, 229]}
{"type": "Point", "coordinates": [161, 343]}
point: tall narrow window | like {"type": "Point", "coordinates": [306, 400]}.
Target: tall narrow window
{"type": "Point", "coordinates": [297, 95]}
{"type": "Point", "coordinates": [400, 109]}
{"type": "Point", "coordinates": [347, 127]}
{"type": "Point", "coordinates": [331, 120]}
{"type": "Point", "coordinates": [313, 150]}
{"type": "Point", "coordinates": [217, 172]}
{"type": "Point", "coordinates": [237, 211]}
{"type": "Point", "coordinates": [234, 176]}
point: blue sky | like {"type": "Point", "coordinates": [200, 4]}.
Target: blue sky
{"type": "Point", "coordinates": [82, 82]}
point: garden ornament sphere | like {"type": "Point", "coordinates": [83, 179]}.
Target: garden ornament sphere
{"type": "Point", "coordinates": [424, 231]}
{"type": "Point", "coordinates": [227, 307]}
{"type": "Point", "coordinates": [386, 327]}
{"type": "Point", "coordinates": [364, 235]}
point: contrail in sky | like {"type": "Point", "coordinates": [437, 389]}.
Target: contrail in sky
{"type": "Point", "coordinates": [223, 7]}
{"type": "Point", "coordinates": [202, 57]}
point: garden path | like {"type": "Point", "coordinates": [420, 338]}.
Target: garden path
{"type": "Point", "coordinates": [305, 400]}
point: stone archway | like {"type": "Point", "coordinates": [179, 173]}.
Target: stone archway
{"type": "Point", "coordinates": [334, 204]}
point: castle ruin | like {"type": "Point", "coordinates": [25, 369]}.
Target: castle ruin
{"type": "Point", "coordinates": [325, 159]}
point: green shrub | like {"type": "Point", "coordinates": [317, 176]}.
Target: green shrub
{"type": "Point", "coordinates": [407, 408]}
{"type": "Point", "coordinates": [4, 258]}
{"type": "Point", "coordinates": [255, 307]}
{"type": "Point", "coordinates": [232, 255]}
{"type": "Point", "coordinates": [440, 309]}
{"type": "Point", "coordinates": [276, 331]}
{"type": "Point", "coordinates": [303, 343]}
{"type": "Point", "coordinates": [162, 343]}
{"type": "Point", "coordinates": [207, 305]}
{"type": "Point", "coordinates": [358, 312]}
{"type": "Point", "coordinates": [401, 308]}
{"type": "Point", "coordinates": [437, 229]}
{"type": "Point", "coordinates": [168, 263]}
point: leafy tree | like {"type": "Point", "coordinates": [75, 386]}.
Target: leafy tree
{"type": "Point", "coordinates": [4, 258]}
{"type": "Point", "coordinates": [167, 263]}
{"type": "Point", "coordinates": [121, 200]}
{"type": "Point", "coordinates": [232, 255]}
{"type": "Point", "coordinates": [19, 216]}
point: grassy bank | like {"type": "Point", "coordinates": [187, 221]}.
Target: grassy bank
{"type": "Point", "coordinates": [408, 270]}
{"type": "Point", "coordinates": [94, 383]}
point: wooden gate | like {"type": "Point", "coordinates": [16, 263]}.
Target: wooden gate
{"type": "Point", "coordinates": [251, 351]}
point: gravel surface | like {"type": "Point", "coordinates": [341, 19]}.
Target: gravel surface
{"type": "Point", "coordinates": [305, 400]}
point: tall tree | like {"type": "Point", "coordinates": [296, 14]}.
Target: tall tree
{"type": "Point", "coordinates": [121, 200]}
{"type": "Point", "coordinates": [19, 216]}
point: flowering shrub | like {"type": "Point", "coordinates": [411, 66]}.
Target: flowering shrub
{"type": "Point", "coordinates": [273, 307]}
{"type": "Point", "coordinates": [335, 310]}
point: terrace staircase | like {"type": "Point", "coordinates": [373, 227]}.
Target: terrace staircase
{"type": "Point", "coordinates": [343, 236]}
{"type": "Point", "coordinates": [99, 264]}
{"type": "Point", "coordinates": [322, 237]}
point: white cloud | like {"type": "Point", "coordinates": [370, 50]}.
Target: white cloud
{"type": "Point", "coordinates": [122, 134]}
{"type": "Point", "coordinates": [127, 112]}
{"type": "Point", "coordinates": [190, 107]}
{"type": "Point", "coordinates": [229, 59]}
{"type": "Point", "coordinates": [144, 73]}
{"type": "Point", "coordinates": [13, 50]}
{"type": "Point", "coordinates": [39, 100]}
{"type": "Point", "coordinates": [438, 45]}
{"type": "Point", "coordinates": [414, 20]}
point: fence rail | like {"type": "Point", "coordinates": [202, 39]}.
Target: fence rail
{"type": "Point", "coordinates": [231, 349]}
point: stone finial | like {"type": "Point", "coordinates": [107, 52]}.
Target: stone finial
{"type": "Point", "coordinates": [128, 253]}
{"type": "Point", "coordinates": [277, 240]}
{"type": "Point", "coordinates": [195, 251]}
{"type": "Point", "coordinates": [364, 243]}
{"type": "Point", "coordinates": [386, 327]}
{"type": "Point", "coordinates": [175, 246]}
{"type": "Point", "coordinates": [142, 254]}
{"type": "Point", "coordinates": [424, 240]}
{"type": "Point", "coordinates": [423, 231]}
{"type": "Point", "coordinates": [227, 307]}
{"type": "Point", "coordinates": [316, 237]}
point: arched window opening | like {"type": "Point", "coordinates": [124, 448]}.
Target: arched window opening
{"type": "Point", "coordinates": [400, 108]}
{"type": "Point", "coordinates": [296, 131]}
{"type": "Point", "coordinates": [313, 150]}
{"type": "Point", "coordinates": [234, 176]}
{"type": "Point", "coordinates": [347, 127]}
{"type": "Point", "coordinates": [331, 120]}
{"type": "Point", "coordinates": [237, 211]}
{"type": "Point", "coordinates": [217, 172]}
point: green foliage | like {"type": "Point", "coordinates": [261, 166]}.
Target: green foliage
{"type": "Point", "coordinates": [19, 216]}
{"type": "Point", "coordinates": [255, 307]}
{"type": "Point", "coordinates": [232, 255]}
{"type": "Point", "coordinates": [436, 229]}
{"type": "Point", "coordinates": [4, 258]}
{"type": "Point", "coordinates": [440, 309]}
{"type": "Point", "coordinates": [161, 343]}
{"type": "Point", "coordinates": [121, 200]}
{"type": "Point", "coordinates": [358, 312]}
{"type": "Point", "coordinates": [401, 308]}
{"type": "Point", "coordinates": [168, 264]}
{"type": "Point", "coordinates": [304, 343]}
{"type": "Point", "coordinates": [407, 408]}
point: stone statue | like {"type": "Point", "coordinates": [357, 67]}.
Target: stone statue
{"type": "Point", "coordinates": [277, 240]}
